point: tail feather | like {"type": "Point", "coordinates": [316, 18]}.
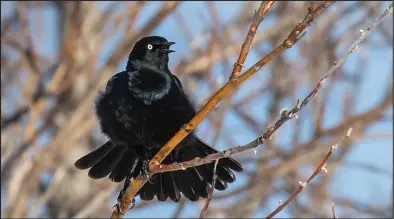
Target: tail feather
{"type": "Point", "coordinates": [229, 162]}
{"type": "Point", "coordinates": [206, 172]}
{"type": "Point", "coordinates": [149, 190]}
{"type": "Point", "coordinates": [162, 195]}
{"type": "Point", "coordinates": [184, 185]}
{"type": "Point", "coordinates": [196, 179]}
{"type": "Point", "coordinates": [222, 171]}
{"type": "Point", "coordinates": [225, 175]}
{"type": "Point", "coordinates": [125, 166]}
{"type": "Point", "coordinates": [199, 186]}
{"type": "Point", "coordinates": [107, 164]}
{"type": "Point", "coordinates": [119, 161]}
{"type": "Point", "coordinates": [170, 186]}
{"type": "Point", "coordinates": [95, 156]}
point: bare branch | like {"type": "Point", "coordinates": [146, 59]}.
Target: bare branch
{"type": "Point", "coordinates": [317, 171]}
{"type": "Point", "coordinates": [333, 211]}
{"type": "Point", "coordinates": [210, 192]}
{"type": "Point", "coordinates": [258, 17]}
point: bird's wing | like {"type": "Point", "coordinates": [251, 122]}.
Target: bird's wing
{"type": "Point", "coordinates": [178, 82]}
{"type": "Point", "coordinates": [185, 105]}
{"type": "Point", "coordinates": [112, 81]}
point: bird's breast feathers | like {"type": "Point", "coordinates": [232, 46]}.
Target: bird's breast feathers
{"type": "Point", "coordinates": [149, 85]}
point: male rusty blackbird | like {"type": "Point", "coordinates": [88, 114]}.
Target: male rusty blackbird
{"type": "Point", "coordinates": [140, 110]}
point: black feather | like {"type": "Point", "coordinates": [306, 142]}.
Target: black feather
{"type": "Point", "coordinates": [200, 187]}
{"type": "Point", "coordinates": [107, 164]}
{"type": "Point", "coordinates": [184, 186]}
{"type": "Point", "coordinates": [122, 169]}
{"type": "Point", "coordinates": [170, 186]}
{"type": "Point", "coordinates": [162, 195]}
{"type": "Point", "coordinates": [95, 156]}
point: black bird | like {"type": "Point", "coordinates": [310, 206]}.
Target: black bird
{"type": "Point", "coordinates": [140, 110]}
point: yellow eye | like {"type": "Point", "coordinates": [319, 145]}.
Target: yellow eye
{"type": "Point", "coordinates": [150, 46]}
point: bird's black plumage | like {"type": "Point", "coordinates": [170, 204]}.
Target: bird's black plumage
{"type": "Point", "coordinates": [140, 110]}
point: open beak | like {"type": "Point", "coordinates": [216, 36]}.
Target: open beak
{"type": "Point", "coordinates": [165, 47]}
{"type": "Point", "coordinates": [168, 44]}
{"type": "Point", "coordinates": [166, 51]}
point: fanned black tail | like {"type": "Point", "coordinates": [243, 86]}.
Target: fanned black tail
{"type": "Point", "coordinates": [192, 182]}
{"type": "Point", "coordinates": [121, 161]}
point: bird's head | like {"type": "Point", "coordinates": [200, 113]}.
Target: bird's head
{"type": "Point", "coordinates": [153, 50]}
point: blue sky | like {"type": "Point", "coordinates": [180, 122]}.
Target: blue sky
{"type": "Point", "coordinates": [355, 183]}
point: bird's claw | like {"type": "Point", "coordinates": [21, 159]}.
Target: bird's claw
{"type": "Point", "coordinates": [119, 199]}
{"type": "Point", "coordinates": [145, 170]}
{"type": "Point", "coordinates": [119, 209]}
{"type": "Point", "coordinates": [145, 167]}
{"type": "Point", "coordinates": [132, 204]}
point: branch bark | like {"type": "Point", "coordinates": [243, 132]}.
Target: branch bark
{"type": "Point", "coordinates": [258, 17]}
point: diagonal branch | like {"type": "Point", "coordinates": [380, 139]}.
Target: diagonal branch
{"type": "Point", "coordinates": [271, 129]}
{"type": "Point", "coordinates": [296, 34]}
{"type": "Point", "coordinates": [258, 17]}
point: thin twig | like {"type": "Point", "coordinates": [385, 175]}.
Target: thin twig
{"type": "Point", "coordinates": [210, 193]}
{"type": "Point", "coordinates": [258, 17]}
{"type": "Point", "coordinates": [317, 171]}
{"type": "Point", "coordinates": [333, 211]}
{"type": "Point", "coordinates": [295, 35]}
{"type": "Point", "coordinates": [363, 35]}
{"type": "Point", "coordinates": [179, 209]}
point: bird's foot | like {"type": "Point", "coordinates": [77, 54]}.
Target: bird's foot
{"type": "Point", "coordinates": [145, 170]}
{"type": "Point", "coordinates": [119, 204]}
{"type": "Point", "coordinates": [132, 204]}
{"type": "Point", "coordinates": [145, 167]}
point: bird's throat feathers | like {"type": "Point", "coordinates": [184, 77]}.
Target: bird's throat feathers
{"type": "Point", "coordinates": [147, 82]}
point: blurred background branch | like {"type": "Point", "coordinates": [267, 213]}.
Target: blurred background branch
{"type": "Point", "coordinates": [56, 56]}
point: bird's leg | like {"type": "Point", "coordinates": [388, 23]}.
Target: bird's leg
{"type": "Point", "coordinates": [129, 176]}
{"type": "Point", "coordinates": [145, 166]}
{"type": "Point", "coordinates": [145, 170]}
{"type": "Point", "coordinates": [126, 185]}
